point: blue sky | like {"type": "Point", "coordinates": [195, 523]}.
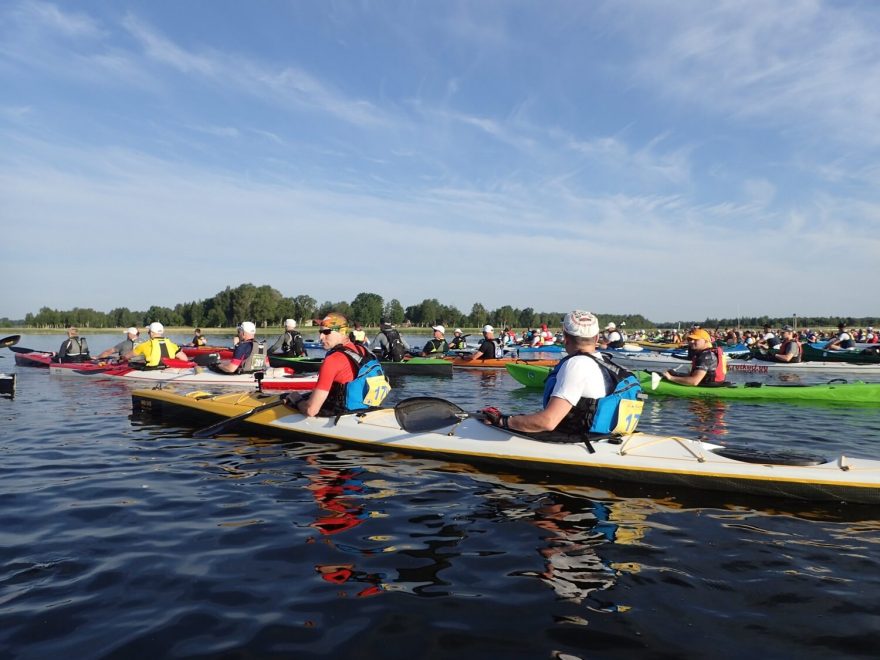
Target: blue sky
{"type": "Point", "coordinates": [680, 160]}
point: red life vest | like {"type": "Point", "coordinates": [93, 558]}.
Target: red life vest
{"type": "Point", "coordinates": [720, 372]}
{"type": "Point", "coordinates": [783, 348]}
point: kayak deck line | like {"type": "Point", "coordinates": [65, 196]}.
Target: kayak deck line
{"type": "Point", "coordinates": [638, 457]}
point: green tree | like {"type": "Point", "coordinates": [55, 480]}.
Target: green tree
{"type": "Point", "coordinates": [367, 308]}
{"type": "Point", "coordinates": [394, 312]}
{"type": "Point", "coordinates": [306, 306]}
{"type": "Point", "coordinates": [243, 303]}
{"type": "Point", "coordinates": [265, 305]}
{"type": "Point", "coordinates": [478, 315]}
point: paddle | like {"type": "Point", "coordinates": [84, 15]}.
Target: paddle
{"type": "Point", "coordinates": [9, 341]}
{"type": "Point", "coordinates": [21, 349]}
{"type": "Point", "coordinates": [419, 414]}
{"type": "Point", "coordinates": [226, 424]}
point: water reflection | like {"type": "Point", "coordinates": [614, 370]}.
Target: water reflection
{"type": "Point", "coordinates": [708, 417]}
{"type": "Point", "coordinates": [335, 492]}
{"type": "Point", "coordinates": [572, 566]}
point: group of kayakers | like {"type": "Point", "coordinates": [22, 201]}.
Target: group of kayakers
{"type": "Point", "coordinates": [584, 395]}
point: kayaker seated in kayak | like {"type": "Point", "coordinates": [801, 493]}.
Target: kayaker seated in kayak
{"type": "Point", "coordinates": [842, 341]}
{"type": "Point", "coordinates": [769, 339]}
{"type": "Point", "coordinates": [74, 348]}
{"type": "Point", "coordinates": [151, 352]}
{"type": "Point", "coordinates": [358, 335]}
{"type": "Point", "coordinates": [244, 358]}
{"type": "Point", "coordinates": [437, 346]}
{"type": "Point", "coordinates": [576, 389]}
{"type": "Point", "coordinates": [343, 364]}
{"type": "Point", "coordinates": [197, 339]}
{"type": "Point", "coordinates": [611, 337]}
{"type": "Point", "coordinates": [290, 343]}
{"type": "Point", "coordinates": [388, 345]}
{"type": "Point", "coordinates": [489, 349]}
{"type": "Point", "coordinates": [707, 362]}
{"type": "Point", "coordinates": [124, 347]}
{"type": "Point", "coordinates": [458, 342]}
{"type": "Point", "coordinates": [790, 349]}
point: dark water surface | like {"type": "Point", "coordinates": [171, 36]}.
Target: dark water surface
{"type": "Point", "coordinates": [123, 537]}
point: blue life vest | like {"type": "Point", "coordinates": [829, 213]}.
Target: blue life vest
{"type": "Point", "coordinates": [602, 415]}
{"type": "Point", "coordinates": [369, 387]}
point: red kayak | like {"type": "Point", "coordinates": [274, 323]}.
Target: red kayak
{"type": "Point", "coordinates": [185, 373]}
{"type": "Point", "coordinates": [204, 355]}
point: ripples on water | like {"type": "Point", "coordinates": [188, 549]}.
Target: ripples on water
{"type": "Point", "coordinates": [123, 537]}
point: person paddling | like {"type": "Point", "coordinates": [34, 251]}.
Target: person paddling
{"type": "Point", "coordinates": [248, 355]}
{"type": "Point", "coordinates": [438, 345]}
{"type": "Point", "coordinates": [388, 345]}
{"type": "Point", "coordinates": [345, 362]}
{"type": "Point", "coordinates": [290, 343]}
{"type": "Point", "coordinates": [458, 342]}
{"type": "Point", "coordinates": [124, 347]}
{"type": "Point", "coordinates": [156, 349]}
{"type": "Point", "coordinates": [582, 395]}
{"type": "Point", "coordinates": [790, 349]}
{"type": "Point", "coordinates": [490, 348]}
{"type": "Point", "coordinates": [843, 339]}
{"type": "Point", "coordinates": [707, 362]}
{"type": "Point", "coordinates": [198, 339]}
{"type": "Point", "coordinates": [74, 348]}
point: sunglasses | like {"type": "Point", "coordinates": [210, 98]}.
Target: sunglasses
{"type": "Point", "coordinates": [327, 331]}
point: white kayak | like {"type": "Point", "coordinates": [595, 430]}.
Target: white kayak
{"type": "Point", "coordinates": [423, 426]}
{"type": "Point", "coordinates": [274, 378]}
{"type": "Point", "coordinates": [759, 368]}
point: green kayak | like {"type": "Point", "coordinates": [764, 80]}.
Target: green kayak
{"type": "Point", "coordinates": [856, 392]}
{"type": "Point", "coordinates": [856, 356]}
{"type": "Point", "coordinates": [416, 366]}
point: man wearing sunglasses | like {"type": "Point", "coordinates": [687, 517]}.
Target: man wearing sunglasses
{"type": "Point", "coordinates": [337, 369]}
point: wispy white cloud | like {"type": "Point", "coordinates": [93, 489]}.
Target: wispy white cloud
{"type": "Point", "coordinates": [44, 15]}
{"type": "Point", "coordinates": [577, 241]}
{"type": "Point", "coordinates": [799, 66]}
{"type": "Point", "coordinates": [288, 84]}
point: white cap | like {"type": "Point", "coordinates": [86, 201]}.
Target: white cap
{"type": "Point", "coordinates": [157, 328]}
{"type": "Point", "coordinates": [611, 326]}
{"type": "Point", "coordinates": [488, 328]}
{"type": "Point", "coordinates": [248, 327]}
{"type": "Point", "coordinates": [457, 331]}
{"type": "Point", "coordinates": [439, 328]}
{"type": "Point", "coordinates": [579, 323]}
{"type": "Point", "coordinates": [290, 324]}
{"type": "Point", "coordinates": [132, 331]}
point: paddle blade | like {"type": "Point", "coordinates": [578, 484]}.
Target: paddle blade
{"type": "Point", "coordinates": [655, 380]}
{"type": "Point", "coordinates": [11, 340]}
{"type": "Point", "coordinates": [424, 413]}
{"type": "Point", "coordinates": [225, 425]}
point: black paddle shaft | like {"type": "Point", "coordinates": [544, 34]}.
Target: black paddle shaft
{"type": "Point", "coordinates": [232, 422]}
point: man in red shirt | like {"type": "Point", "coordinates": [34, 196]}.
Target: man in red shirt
{"type": "Point", "coordinates": [336, 370]}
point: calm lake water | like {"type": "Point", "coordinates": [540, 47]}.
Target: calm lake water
{"type": "Point", "coordinates": [123, 537]}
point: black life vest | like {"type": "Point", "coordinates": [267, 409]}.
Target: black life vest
{"type": "Point", "coordinates": [293, 345]}
{"type": "Point", "coordinates": [396, 349]}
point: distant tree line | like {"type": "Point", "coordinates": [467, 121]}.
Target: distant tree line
{"type": "Point", "coordinates": [266, 306]}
